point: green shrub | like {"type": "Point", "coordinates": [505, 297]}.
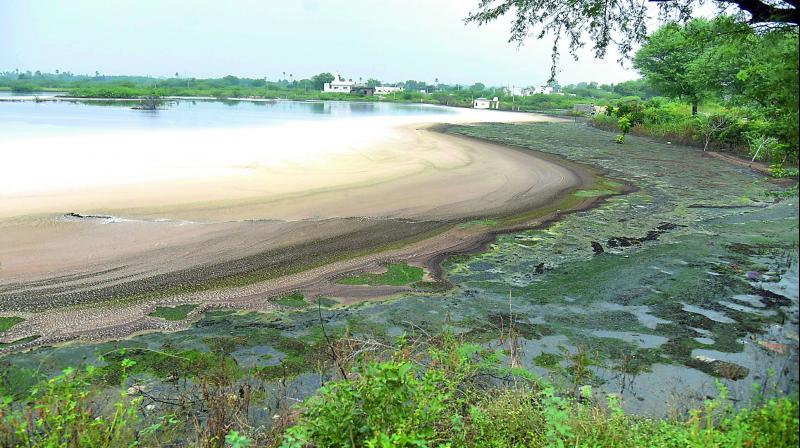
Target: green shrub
{"type": "Point", "coordinates": [449, 402]}
{"type": "Point", "coordinates": [62, 412]}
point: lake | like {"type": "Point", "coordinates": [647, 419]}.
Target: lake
{"type": "Point", "coordinates": [23, 119]}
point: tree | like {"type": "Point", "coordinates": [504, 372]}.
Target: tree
{"type": "Point", "coordinates": [478, 86]}
{"type": "Point", "coordinates": [230, 80]}
{"type": "Point", "coordinates": [318, 81]}
{"type": "Point", "coordinates": [668, 57]}
{"type": "Point", "coordinates": [621, 22]}
{"type": "Point", "coordinates": [709, 128]}
{"type": "Point", "coordinates": [371, 82]}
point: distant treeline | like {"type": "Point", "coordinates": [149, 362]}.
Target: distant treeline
{"type": "Point", "coordinates": [102, 86]}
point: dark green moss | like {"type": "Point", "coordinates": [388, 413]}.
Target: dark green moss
{"type": "Point", "coordinates": [397, 274]}
{"type": "Point", "coordinates": [173, 312]}
{"type": "Point", "coordinates": [293, 300]}
{"type": "Point", "coordinates": [549, 361]}
{"type": "Point", "coordinates": [7, 322]}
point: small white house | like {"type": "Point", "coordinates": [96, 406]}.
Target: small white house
{"type": "Point", "coordinates": [519, 91]}
{"type": "Point", "coordinates": [484, 103]}
{"type": "Point", "coordinates": [387, 90]}
{"type": "Point", "coordinates": [339, 85]}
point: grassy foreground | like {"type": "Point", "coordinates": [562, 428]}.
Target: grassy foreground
{"type": "Point", "coordinates": [439, 393]}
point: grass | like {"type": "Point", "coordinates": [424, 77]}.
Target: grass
{"type": "Point", "coordinates": [397, 274]}
{"type": "Point", "coordinates": [7, 322]}
{"type": "Point", "coordinates": [173, 312]}
{"type": "Point", "coordinates": [293, 300]}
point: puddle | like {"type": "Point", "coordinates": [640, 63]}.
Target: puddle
{"type": "Point", "coordinates": [716, 316]}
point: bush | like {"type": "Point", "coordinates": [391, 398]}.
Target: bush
{"type": "Point", "coordinates": [62, 413]}
{"type": "Point", "coordinates": [463, 397]}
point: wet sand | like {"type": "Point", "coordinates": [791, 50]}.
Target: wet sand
{"type": "Point", "coordinates": [237, 237]}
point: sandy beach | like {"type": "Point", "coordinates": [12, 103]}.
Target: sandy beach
{"type": "Point", "coordinates": [292, 207]}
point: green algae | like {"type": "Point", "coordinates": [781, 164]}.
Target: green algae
{"type": "Point", "coordinates": [326, 302]}
{"type": "Point", "coordinates": [549, 361]}
{"type": "Point", "coordinates": [7, 322]}
{"type": "Point", "coordinates": [293, 300]}
{"type": "Point", "coordinates": [397, 274]}
{"type": "Point", "coordinates": [20, 341]}
{"type": "Point", "coordinates": [550, 282]}
{"type": "Point", "coordinates": [173, 313]}
{"type": "Point", "coordinates": [592, 193]}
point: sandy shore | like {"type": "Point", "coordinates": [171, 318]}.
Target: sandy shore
{"type": "Point", "coordinates": [272, 215]}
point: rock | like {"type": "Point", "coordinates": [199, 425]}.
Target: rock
{"type": "Point", "coordinates": [721, 368]}
{"type": "Point", "coordinates": [597, 247]}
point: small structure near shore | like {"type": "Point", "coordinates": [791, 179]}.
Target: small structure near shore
{"type": "Point", "coordinates": [484, 103]}
{"type": "Point", "coordinates": [339, 85]}
{"type": "Point", "coordinates": [385, 90]}
{"type": "Point", "coordinates": [589, 109]}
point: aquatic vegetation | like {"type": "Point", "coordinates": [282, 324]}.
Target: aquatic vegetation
{"type": "Point", "coordinates": [7, 322]}
{"type": "Point", "coordinates": [178, 312]}
{"type": "Point", "coordinates": [624, 307]}
{"type": "Point", "coordinates": [397, 274]}
{"type": "Point", "coordinates": [294, 300]}
{"type": "Point", "coordinates": [30, 338]}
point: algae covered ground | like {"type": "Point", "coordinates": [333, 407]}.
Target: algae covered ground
{"type": "Point", "coordinates": [654, 295]}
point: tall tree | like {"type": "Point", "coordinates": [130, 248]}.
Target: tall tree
{"type": "Point", "coordinates": [620, 22]}
{"type": "Point", "coordinates": [668, 56]}
{"type": "Point", "coordinates": [318, 81]}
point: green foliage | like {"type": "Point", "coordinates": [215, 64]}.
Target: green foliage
{"type": "Point", "coordinates": [236, 440]}
{"type": "Point", "coordinates": [778, 171]}
{"type": "Point", "coordinates": [752, 74]}
{"type": "Point", "coordinates": [7, 322]}
{"type": "Point", "coordinates": [766, 148]}
{"type": "Point", "coordinates": [294, 300]}
{"type": "Point", "coordinates": [400, 403]}
{"type": "Point", "coordinates": [61, 412]}
{"type": "Point", "coordinates": [173, 312]}
{"type": "Point", "coordinates": [668, 55]}
{"type": "Point", "coordinates": [397, 274]}
{"type": "Point", "coordinates": [318, 81]}
{"type": "Point", "coordinates": [624, 124]}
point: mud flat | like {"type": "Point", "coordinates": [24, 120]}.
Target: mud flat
{"type": "Point", "coordinates": [90, 254]}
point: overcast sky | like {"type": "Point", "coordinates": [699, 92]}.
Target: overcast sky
{"type": "Point", "coordinates": [391, 40]}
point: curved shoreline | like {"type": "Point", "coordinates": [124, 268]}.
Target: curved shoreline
{"type": "Point", "coordinates": [122, 319]}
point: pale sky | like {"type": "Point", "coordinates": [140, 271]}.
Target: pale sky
{"type": "Point", "coordinates": [391, 40]}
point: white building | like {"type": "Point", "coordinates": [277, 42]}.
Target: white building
{"type": "Point", "coordinates": [386, 90]}
{"type": "Point", "coordinates": [484, 103]}
{"type": "Point", "coordinates": [338, 85]}
{"type": "Point", "coordinates": [519, 91]}
{"type": "Point", "coordinates": [528, 91]}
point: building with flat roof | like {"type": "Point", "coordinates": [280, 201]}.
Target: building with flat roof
{"type": "Point", "coordinates": [339, 85]}
{"type": "Point", "coordinates": [485, 103]}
